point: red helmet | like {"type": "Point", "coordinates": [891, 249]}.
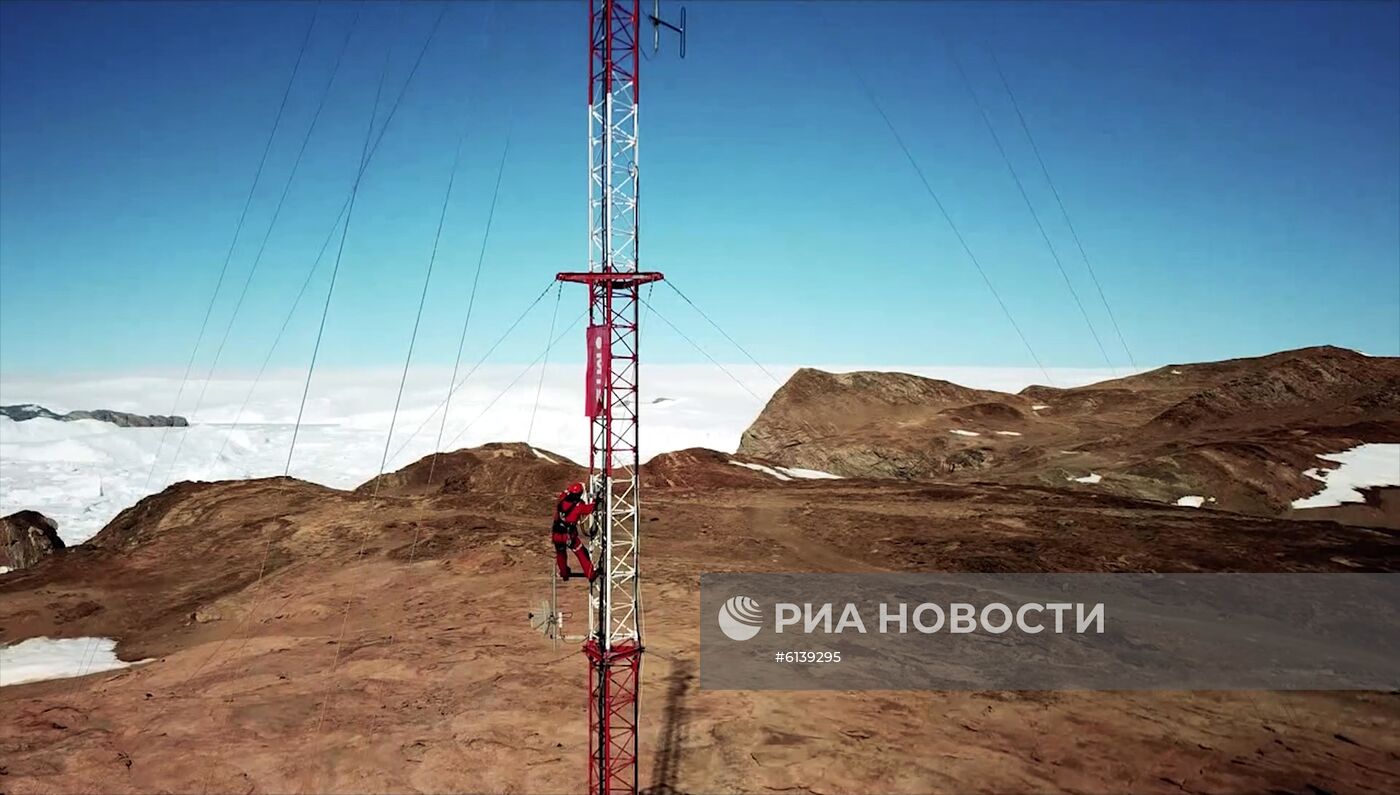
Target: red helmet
{"type": "Point", "coordinates": [575, 488]}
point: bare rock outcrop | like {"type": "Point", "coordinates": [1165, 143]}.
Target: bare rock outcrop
{"type": "Point", "coordinates": [29, 537]}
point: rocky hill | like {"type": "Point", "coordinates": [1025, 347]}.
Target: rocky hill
{"type": "Point", "coordinates": [506, 476]}
{"type": "Point", "coordinates": [30, 411]}
{"type": "Point", "coordinates": [1239, 434]}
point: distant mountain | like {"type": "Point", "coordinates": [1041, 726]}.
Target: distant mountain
{"type": "Point", "coordinates": [1240, 434]}
{"type": "Point", "coordinates": [30, 411]}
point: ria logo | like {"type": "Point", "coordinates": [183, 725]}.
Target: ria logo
{"type": "Point", "coordinates": [740, 618]}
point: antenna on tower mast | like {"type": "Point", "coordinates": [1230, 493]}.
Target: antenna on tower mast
{"type": "Point", "coordinates": [657, 23]}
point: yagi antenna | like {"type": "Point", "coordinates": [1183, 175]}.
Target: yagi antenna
{"type": "Point", "coordinates": [657, 23]}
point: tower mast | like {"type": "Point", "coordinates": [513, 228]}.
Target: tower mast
{"type": "Point", "coordinates": [614, 645]}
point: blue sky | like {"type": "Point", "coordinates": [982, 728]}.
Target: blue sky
{"type": "Point", "coordinates": [1233, 170]}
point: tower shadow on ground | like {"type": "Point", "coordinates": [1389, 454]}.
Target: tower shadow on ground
{"type": "Point", "coordinates": [666, 766]}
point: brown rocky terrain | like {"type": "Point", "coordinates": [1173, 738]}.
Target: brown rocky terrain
{"type": "Point", "coordinates": [1239, 432]}
{"type": "Point", "coordinates": [304, 639]}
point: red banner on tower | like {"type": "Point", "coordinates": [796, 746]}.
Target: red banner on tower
{"type": "Point", "coordinates": [599, 368]}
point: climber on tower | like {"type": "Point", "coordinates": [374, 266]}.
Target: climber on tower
{"type": "Point", "coordinates": [570, 508]}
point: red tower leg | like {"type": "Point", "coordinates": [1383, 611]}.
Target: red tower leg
{"type": "Point", "coordinates": [613, 683]}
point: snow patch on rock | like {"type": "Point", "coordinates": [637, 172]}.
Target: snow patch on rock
{"type": "Point", "coordinates": [38, 659]}
{"type": "Point", "coordinates": [1363, 466]}
{"type": "Point", "coordinates": [961, 432]}
{"type": "Point", "coordinates": [787, 473]}
{"type": "Point", "coordinates": [808, 474]}
{"type": "Point", "coordinates": [1092, 477]}
{"type": "Point", "coordinates": [1191, 501]}
{"type": "Point", "coordinates": [761, 468]}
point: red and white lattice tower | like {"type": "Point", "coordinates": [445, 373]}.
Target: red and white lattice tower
{"type": "Point", "coordinates": [613, 278]}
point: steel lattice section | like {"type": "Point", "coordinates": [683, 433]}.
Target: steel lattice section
{"type": "Point", "coordinates": [613, 192]}
{"type": "Point", "coordinates": [614, 648]}
{"type": "Point", "coordinates": [614, 678]}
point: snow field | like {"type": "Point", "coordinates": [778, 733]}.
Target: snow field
{"type": "Point", "coordinates": [83, 473]}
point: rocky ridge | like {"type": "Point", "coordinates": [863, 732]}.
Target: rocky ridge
{"type": "Point", "coordinates": [29, 411]}
{"type": "Point", "coordinates": [1241, 432]}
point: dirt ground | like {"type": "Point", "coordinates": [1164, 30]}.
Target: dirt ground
{"type": "Point", "coordinates": [386, 647]}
